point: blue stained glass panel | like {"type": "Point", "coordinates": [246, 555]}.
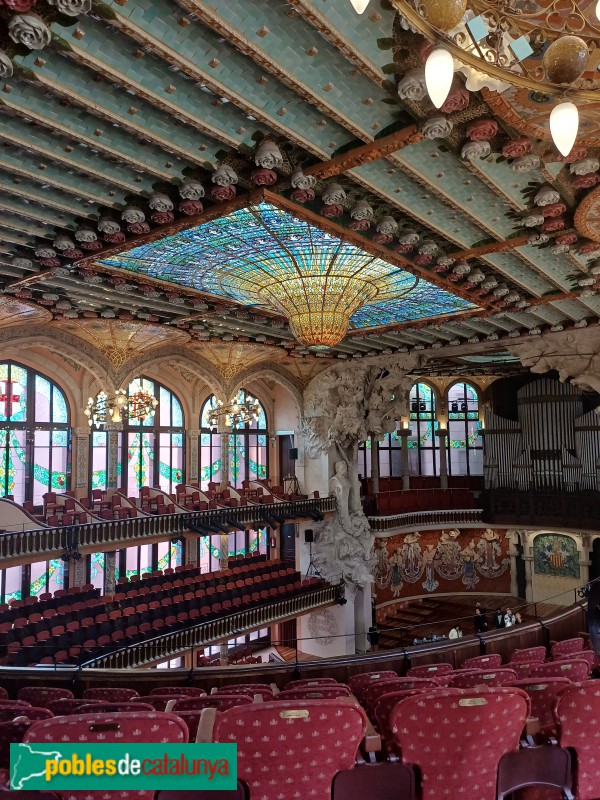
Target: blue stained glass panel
{"type": "Point", "coordinates": [240, 254]}
{"type": "Point", "coordinates": [59, 407]}
{"type": "Point", "coordinates": [177, 411]}
{"type": "Point", "coordinates": [14, 405]}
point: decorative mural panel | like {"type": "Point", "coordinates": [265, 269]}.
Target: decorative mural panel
{"type": "Point", "coordinates": [446, 561]}
{"type": "Point", "coordinates": [554, 554]}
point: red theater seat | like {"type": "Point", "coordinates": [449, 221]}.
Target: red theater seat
{"type": "Point", "coordinates": [270, 761]}
{"type": "Point", "coordinates": [577, 712]}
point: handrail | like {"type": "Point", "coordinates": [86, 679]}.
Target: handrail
{"type": "Point", "coordinates": [411, 519]}
{"type": "Point", "coordinates": [48, 541]}
{"type": "Point", "coordinates": [169, 645]}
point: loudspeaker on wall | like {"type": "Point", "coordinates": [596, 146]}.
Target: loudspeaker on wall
{"type": "Point", "coordinates": [309, 535]}
{"type": "Point", "coordinates": [293, 454]}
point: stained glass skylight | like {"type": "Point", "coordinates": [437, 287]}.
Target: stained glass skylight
{"type": "Point", "coordinates": [265, 257]}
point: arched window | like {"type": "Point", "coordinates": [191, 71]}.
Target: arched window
{"type": "Point", "coordinates": [423, 444]}
{"type": "Point", "coordinates": [153, 450]}
{"type": "Point", "coordinates": [390, 457]}
{"type": "Point", "coordinates": [210, 446]}
{"type": "Point", "coordinates": [248, 447]}
{"type": "Point", "coordinates": [464, 442]}
{"type": "Point", "coordinates": [35, 437]}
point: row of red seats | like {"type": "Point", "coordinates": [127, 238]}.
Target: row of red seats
{"type": "Point", "coordinates": [451, 742]}
{"type": "Point", "coordinates": [389, 503]}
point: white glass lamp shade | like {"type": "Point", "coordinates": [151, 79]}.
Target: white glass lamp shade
{"type": "Point", "coordinates": [564, 124]}
{"type": "Point", "coordinates": [439, 74]}
{"type": "Point", "coordinates": [598, 10]}
{"type": "Point", "coordinates": [360, 5]}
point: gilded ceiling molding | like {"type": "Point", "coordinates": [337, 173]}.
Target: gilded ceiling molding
{"type": "Point", "coordinates": [96, 143]}
{"type": "Point", "coordinates": [322, 25]}
{"type": "Point", "coordinates": [126, 26]}
{"type": "Point", "coordinates": [247, 48]}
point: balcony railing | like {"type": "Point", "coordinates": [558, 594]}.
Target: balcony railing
{"type": "Point", "coordinates": [170, 645]}
{"type": "Point", "coordinates": [422, 519]}
{"type": "Point", "coordinates": [54, 541]}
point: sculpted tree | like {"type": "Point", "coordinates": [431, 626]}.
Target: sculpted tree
{"type": "Point", "coordinates": [343, 407]}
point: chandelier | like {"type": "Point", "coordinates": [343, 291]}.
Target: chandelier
{"type": "Point", "coordinates": [239, 412]}
{"type": "Point", "coordinates": [120, 406]}
{"type": "Point", "coordinates": [545, 48]}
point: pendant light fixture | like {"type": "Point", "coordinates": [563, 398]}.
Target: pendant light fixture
{"type": "Point", "coordinates": [360, 5]}
{"type": "Point", "coordinates": [564, 125]}
{"type": "Point", "coordinates": [439, 74]}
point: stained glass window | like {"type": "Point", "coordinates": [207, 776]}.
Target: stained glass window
{"type": "Point", "coordinates": [153, 449]}
{"type": "Point", "coordinates": [248, 448]}
{"type": "Point", "coordinates": [390, 457]}
{"type": "Point", "coordinates": [209, 447]}
{"type": "Point", "coordinates": [465, 445]}
{"type": "Point", "coordinates": [46, 576]}
{"type": "Point", "coordinates": [423, 445]}
{"type": "Point", "coordinates": [96, 565]}
{"type": "Point", "coordinates": [35, 438]}
{"type": "Point", "coordinates": [11, 584]}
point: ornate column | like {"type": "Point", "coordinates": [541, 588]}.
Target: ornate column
{"type": "Point", "coordinates": [77, 572]}
{"type": "Point", "coordinates": [528, 578]}
{"type": "Point", "coordinates": [404, 434]}
{"type": "Point", "coordinates": [513, 554]}
{"type": "Point", "coordinates": [374, 463]}
{"type": "Point", "coordinates": [224, 551]}
{"type": "Point", "coordinates": [82, 452]}
{"type": "Point", "coordinates": [584, 559]}
{"type": "Point", "coordinates": [110, 572]}
{"type": "Point", "coordinates": [112, 477]}
{"type": "Point", "coordinates": [224, 654]}
{"type": "Point", "coordinates": [190, 549]}
{"type": "Point", "coordinates": [225, 457]}
{"type": "Point", "coordinates": [442, 434]}
{"type": "Point", "coordinates": [192, 449]}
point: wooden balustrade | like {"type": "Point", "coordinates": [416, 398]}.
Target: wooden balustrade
{"type": "Point", "coordinates": [421, 519]}
{"type": "Point", "coordinates": [174, 643]}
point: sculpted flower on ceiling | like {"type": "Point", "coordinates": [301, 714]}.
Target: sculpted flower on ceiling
{"type": "Point", "coordinates": [436, 127]}
{"type": "Point", "coordinates": [526, 163]}
{"type": "Point", "coordinates": [133, 214]}
{"type": "Point", "coordinates": [160, 202]}
{"type": "Point", "coordinates": [224, 175]}
{"type": "Point", "coordinates": [333, 195]}
{"type": "Point", "coordinates": [412, 86]}
{"type": "Point", "coordinates": [108, 225]}
{"type": "Point", "coordinates": [6, 65]}
{"type": "Point", "coordinates": [546, 196]}
{"type": "Point", "coordinates": [301, 181]}
{"type": "Point", "coordinates": [268, 155]}
{"type": "Point", "coordinates": [190, 189]}
{"type": "Point", "coordinates": [474, 150]}
{"type": "Point", "coordinates": [29, 30]}
{"type": "Point", "coordinates": [72, 8]}
{"type": "Point", "coordinates": [585, 166]}
{"type": "Point", "coordinates": [361, 210]}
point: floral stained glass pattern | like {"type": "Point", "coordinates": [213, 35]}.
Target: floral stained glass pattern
{"type": "Point", "coordinates": [256, 254]}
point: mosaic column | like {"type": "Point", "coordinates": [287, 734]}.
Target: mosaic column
{"type": "Point", "coordinates": [513, 553]}
{"type": "Point", "coordinates": [224, 551]}
{"type": "Point", "coordinates": [82, 450]}
{"type": "Point", "coordinates": [584, 561]}
{"type": "Point", "coordinates": [77, 572]}
{"type": "Point", "coordinates": [225, 457]}
{"type": "Point", "coordinates": [375, 463]}
{"type": "Point", "coordinates": [110, 572]}
{"type": "Point", "coordinates": [192, 456]}
{"type": "Point", "coordinates": [442, 434]}
{"type": "Point", "coordinates": [528, 578]}
{"type": "Point", "coordinates": [191, 549]}
{"type": "Point", "coordinates": [404, 434]}
{"type": "Point", "coordinates": [112, 475]}
{"type": "Point", "coordinates": [224, 654]}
